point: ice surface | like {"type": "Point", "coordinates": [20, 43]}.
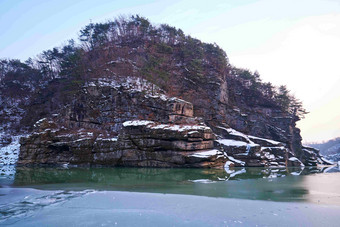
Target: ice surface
{"type": "Point", "coordinates": [111, 208]}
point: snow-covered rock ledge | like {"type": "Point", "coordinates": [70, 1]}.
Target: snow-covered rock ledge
{"type": "Point", "coordinates": [147, 143]}
{"type": "Point", "coordinates": [245, 150]}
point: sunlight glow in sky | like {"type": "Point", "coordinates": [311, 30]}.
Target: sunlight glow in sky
{"type": "Point", "coordinates": [291, 42]}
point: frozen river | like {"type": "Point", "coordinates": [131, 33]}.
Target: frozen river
{"type": "Point", "coordinates": [170, 197]}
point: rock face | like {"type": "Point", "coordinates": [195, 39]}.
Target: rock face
{"type": "Point", "coordinates": [164, 145]}
{"type": "Point", "coordinates": [98, 85]}
{"type": "Point", "coordinates": [168, 135]}
{"type": "Point", "coordinates": [77, 136]}
{"type": "Point", "coordinates": [141, 143]}
{"type": "Point", "coordinates": [105, 106]}
{"type": "Point", "coordinates": [311, 156]}
{"type": "Point", "coordinates": [253, 151]}
{"type": "Point", "coordinates": [253, 114]}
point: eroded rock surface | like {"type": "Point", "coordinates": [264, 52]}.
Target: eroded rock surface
{"type": "Point", "coordinates": [141, 143]}
{"type": "Point", "coordinates": [121, 125]}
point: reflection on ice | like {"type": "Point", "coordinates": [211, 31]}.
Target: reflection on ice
{"type": "Point", "coordinates": [106, 177]}
{"type": "Point", "coordinates": [204, 181]}
{"type": "Point", "coordinates": [7, 173]}
{"type": "Point", "coordinates": [229, 176]}
{"type": "Point", "coordinates": [330, 169]}
{"type": "Point", "coordinates": [233, 173]}
{"type": "Point", "coordinates": [297, 172]}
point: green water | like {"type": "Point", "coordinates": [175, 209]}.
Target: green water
{"type": "Point", "coordinates": [275, 184]}
{"type": "Point", "coordinates": [169, 197]}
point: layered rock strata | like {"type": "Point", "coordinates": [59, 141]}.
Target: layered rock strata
{"type": "Point", "coordinates": [100, 128]}
{"type": "Point", "coordinates": [141, 143]}
{"type": "Point", "coordinates": [312, 157]}
{"type": "Point", "coordinates": [245, 150]}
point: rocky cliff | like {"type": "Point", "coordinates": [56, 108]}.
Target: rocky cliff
{"type": "Point", "coordinates": [133, 127]}
{"type": "Point", "coordinates": [148, 97]}
{"type": "Point", "coordinates": [77, 136]}
{"type": "Point", "coordinates": [140, 143]}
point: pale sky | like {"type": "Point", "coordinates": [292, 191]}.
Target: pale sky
{"type": "Point", "coordinates": [290, 42]}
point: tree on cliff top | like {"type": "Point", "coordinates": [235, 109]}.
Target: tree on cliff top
{"type": "Point", "coordinates": [289, 102]}
{"type": "Point", "coordinates": [164, 55]}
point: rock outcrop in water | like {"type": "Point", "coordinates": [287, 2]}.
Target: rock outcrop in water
{"type": "Point", "coordinates": [330, 149]}
{"type": "Point", "coordinates": [223, 116]}
{"type": "Point", "coordinates": [140, 143]}
{"type": "Point", "coordinates": [168, 134]}
{"type": "Point", "coordinates": [174, 139]}
{"type": "Point", "coordinates": [101, 127]}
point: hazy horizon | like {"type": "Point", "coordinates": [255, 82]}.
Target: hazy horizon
{"type": "Point", "coordinates": [293, 43]}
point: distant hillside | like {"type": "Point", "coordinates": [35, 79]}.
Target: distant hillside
{"type": "Point", "coordinates": [329, 147]}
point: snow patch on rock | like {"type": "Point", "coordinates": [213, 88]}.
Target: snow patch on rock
{"type": "Point", "coordinates": [294, 159]}
{"type": "Point", "coordinates": [232, 143]}
{"type": "Point", "coordinates": [267, 140]}
{"type": "Point", "coordinates": [9, 154]}
{"type": "Point", "coordinates": [206, 154]}
{"type": "Point", "coordinates": [137, 123]}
